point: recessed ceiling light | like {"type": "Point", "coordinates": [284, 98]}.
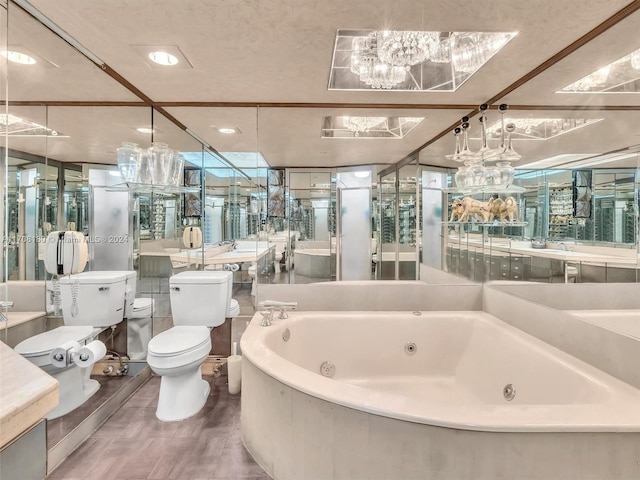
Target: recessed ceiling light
{"type": "Point", "coordinates": [17, 57]}
{"type": "Point", "coordinates": [227, 130]}
{"type": "Point", "coordinates": [163, 58]}
{"type": "Point", "coordinates": [144, 130]}
{"type": "Point", "coordinates": [361, 173]}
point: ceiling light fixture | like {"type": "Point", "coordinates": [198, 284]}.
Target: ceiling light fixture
{"type": "Point", "coordinates": [368, 127]}
{"type": "Point", "coordinates": [411, 60]}
{"type": "Point", "coordinates": [540, 128]}
{"type": "Point", "coordinates": [17, 57]}
{"type": "Point", "coordinates": [620, 76]}
{"type": "Point", "coordinates": [227, 130]}
{"type": "Point", "coordinates": [163, 58]}
{"type": "Point", "coordinates": [145, 130]}
{"type": "Point", "coordinates": [361, 173]}
{"type": "Point", "coordinates": [360, 125]}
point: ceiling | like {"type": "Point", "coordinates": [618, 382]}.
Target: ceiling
{"type": "Point", "coordinates": [263, 68]}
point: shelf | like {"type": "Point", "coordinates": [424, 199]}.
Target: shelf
{"type": "Point", "coordinates": [485, 189]}
{"type": "Point", "coordinates": [489, 224]}
{"type": "Point", "coordinates": [151, 189]}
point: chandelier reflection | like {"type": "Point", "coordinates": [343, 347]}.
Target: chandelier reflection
{"type": "Point", "coordinates": [384, 59]}
{"type": "Point", "coordinates": [370, 69]}
{"type": "Point", "coordinates": [477, 171]}
{"type": "Point", "coordinates": [360, 125]}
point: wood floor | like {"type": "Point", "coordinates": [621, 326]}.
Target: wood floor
{"type": "Point", "coordinates": [134, 445]}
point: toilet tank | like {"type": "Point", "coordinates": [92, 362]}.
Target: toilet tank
{"type": "Point", "coordinates": [130, 286]}
{"type": "Point", "coordinates": [93, 298]}
{"type": "Point", "coordinates": [200, 297]}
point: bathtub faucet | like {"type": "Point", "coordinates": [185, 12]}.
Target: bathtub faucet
{"type": "Point", "coordinates": [282, 306]}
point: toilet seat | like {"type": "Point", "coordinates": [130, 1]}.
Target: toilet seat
{"type": "Point", "coordinates": [37, 348]}
{"type": "Point", "coordinates": [234, 309]}
{"type": "Point", "coordinates": [179, 346]}
{"type": "Point", "coordinates": [142, 308]}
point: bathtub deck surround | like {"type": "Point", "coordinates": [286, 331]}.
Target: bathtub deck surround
{"type": "Point", "coordinates": [378, 295]}
{"type": "Point", "coordinates": [548, 312]}
{"type": "Point", "coordinates": [321, 409]}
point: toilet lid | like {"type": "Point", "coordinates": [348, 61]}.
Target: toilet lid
{"type": "Point", "coordinates": [47, 341]}
{"type": "Point", "coordinates": [178, 339]}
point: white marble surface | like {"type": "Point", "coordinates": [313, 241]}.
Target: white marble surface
{"type": "Point", "coordinates": [27, 394]}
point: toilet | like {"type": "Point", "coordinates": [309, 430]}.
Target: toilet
{"type": "Point", "coordinates": [91, 302]}
{"type": "Point", "coordinates": [138, 313]}
{"type": "Point", "coordinates": [200, 301]}
{"type": "Point", "coordinates": [139, 328]}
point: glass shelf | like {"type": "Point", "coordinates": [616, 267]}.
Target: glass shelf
{"type": "Point", "coordinates": [489, 224]}
{"type": "Point", "coordinates": [485, 189]}
{"type": "Point", "coordinates": [148, 188]}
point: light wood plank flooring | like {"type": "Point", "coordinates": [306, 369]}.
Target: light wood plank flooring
{"type": "Point", "coordinates": [134, 445]}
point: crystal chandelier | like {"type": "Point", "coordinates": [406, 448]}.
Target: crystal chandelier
{"type": "Point", "coordinates": [469, 51]}
{"type": "Point", "coordinates": [591, 81]}
{"type": "Point", "coordinates": [407, 48]}
{"type": "Point", "coordinates": [360, 125]}
{"type": "Point", "coordinates": [370, 69]}
{"type": "Point", "coordinates": [386, 59]}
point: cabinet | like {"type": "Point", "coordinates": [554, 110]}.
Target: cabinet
{"type": "Point", "coordinates": [560, 211]}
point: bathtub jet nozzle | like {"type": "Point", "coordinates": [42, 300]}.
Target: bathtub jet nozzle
{"type": "Point", "coordinates": [509, 392]}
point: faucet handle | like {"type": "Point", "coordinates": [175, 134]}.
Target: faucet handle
{"type": "Point", "coordinates": [6, 304]}
{"type": "Point", "coordinates": [267, 316]}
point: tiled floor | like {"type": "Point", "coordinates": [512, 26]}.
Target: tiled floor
{"type": "Point", "coordinates": [134, 445]}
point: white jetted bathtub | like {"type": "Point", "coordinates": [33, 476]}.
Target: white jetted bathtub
{"type": "Point", "coordinates": [401, 395]}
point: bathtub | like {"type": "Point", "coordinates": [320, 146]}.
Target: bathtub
{"type": "Point", "coordinates": [314, 262]}
{"type": "Point", "coordinates": [406, 395]}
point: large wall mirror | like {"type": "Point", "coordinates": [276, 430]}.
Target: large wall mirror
{"type": "Point", "coordinates": [273, 188]}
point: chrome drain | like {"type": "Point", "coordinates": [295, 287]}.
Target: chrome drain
{"type": "Point", "coordinates": [410, 348]}
{"type": "Point", "coordinates": [509, 392]}
{"type": "Point", "coordinates": [286, 335]}
{"type": "Point", "coordinates": [327, 369]}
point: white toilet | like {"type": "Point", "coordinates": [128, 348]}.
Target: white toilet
{"type": "Point", "coordinates": [138, 312]}
{"type": "Point", "coordinates": [200, 301]}
{"type": "Point", "coordinates": [91, 302]}
{"type": "Point", "coordinates": [139, 328]}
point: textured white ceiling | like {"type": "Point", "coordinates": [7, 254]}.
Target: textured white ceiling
{"type": "Point", "coordinates": [262, 52]}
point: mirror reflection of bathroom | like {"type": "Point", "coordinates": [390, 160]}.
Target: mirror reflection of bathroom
{"type": "Point", "coordinates": [150, 213]}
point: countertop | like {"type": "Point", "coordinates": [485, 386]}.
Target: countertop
{"type": "Point", "coordinates": [552, 253]}
{"type": "Point", "coordinates": [27, 394]}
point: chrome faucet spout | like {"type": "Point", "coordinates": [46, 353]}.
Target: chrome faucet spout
{"type": "Point", "coordinates": [282, 306]}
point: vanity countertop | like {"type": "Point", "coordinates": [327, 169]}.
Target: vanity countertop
{"type": "Point", "coordinates": [553, 253]}
{"type": "Point", "coordinates": [27, 394]}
